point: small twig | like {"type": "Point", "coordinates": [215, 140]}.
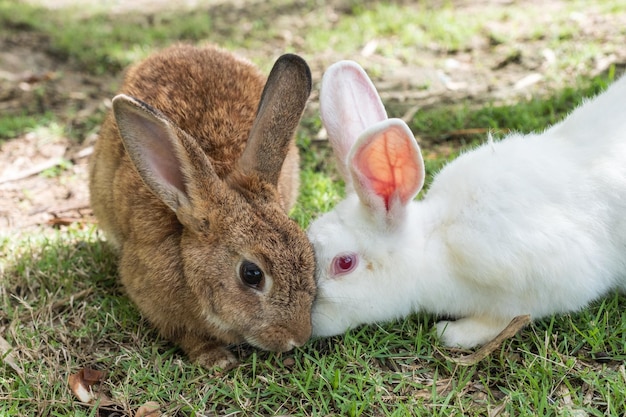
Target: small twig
{"type": "Point", "coordinates": [32, 171]}
{"type": "Point", "coordinates": [83, 153]}
{"type": "Point", "coordinates": [6, 353]}
{"type": "Point", "coordinates": [51, 163]}
{"type": "Point", "coordinates": [65, 301]}
{"type": "Point", "coordinates": [499, 409]}
{"type": "Point", "coordinates": [81, 205]}
{"type": "Point", "coordinates": [57, 305]}
{"type": "Point", "coordinates": [517, 324]}
{"type": "Point", "coordinates": [470, 131]}
{"type": "Point", "coordinates": [66, 221]}
{"type": "Point", "coordinates": [58, 220]}
{"type": "Point", "coordinates": [410, 113]}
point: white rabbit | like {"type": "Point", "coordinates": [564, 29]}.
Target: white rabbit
{"type": "Point", "coordinates": [532, 224]}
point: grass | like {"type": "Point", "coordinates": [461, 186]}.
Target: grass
{"type": "Point", "coordinates": [11, 127]}
{"type": "Point", "coordinates": [531, 115]}
{"type": "Point", "coordinates": [62, 309]}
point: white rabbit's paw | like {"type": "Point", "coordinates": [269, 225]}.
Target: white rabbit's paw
{"type": "Point", "coordinates": [468, 332]}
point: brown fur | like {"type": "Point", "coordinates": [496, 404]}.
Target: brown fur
{"type": "Point", "coordinates": [183, 227]}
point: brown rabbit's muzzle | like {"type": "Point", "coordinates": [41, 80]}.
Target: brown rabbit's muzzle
{"type": "Point", "coordinates": [282, 339]}
{"type": "Point", "coordinates": [284, 333]}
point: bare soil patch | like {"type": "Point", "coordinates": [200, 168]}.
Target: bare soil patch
{"type": "Point", "coordinates": [43, 174]}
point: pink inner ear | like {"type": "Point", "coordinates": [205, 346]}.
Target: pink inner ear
{"type": "Point", "coordinates": [349, 104]}
{"type": "Point", "coordinates": [389, 165]}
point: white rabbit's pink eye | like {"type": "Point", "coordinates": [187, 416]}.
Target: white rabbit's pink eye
{"type": "Point", "coordinates": [344, 263]}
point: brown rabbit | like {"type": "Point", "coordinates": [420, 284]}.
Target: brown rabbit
{"type": "Point", "coordinates": [195, 194]}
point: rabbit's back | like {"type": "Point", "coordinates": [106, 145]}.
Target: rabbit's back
{"type": "Point", "coordinates": [536, 215]}
{"type": "Point", "coordinates": [210, 94]}
{"type": "Point", "coordinates": [534, 224]}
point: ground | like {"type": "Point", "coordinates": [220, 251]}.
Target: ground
{"type": "Point", "coordinates": [63, 314]}
{"type": "Point", "coordinates": [43, 173]}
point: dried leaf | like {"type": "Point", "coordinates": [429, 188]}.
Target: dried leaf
{"type": "Point", "coordinates": [517, 324]}
{"type": "Point", "coordinates": [81, 382]}
{"type": "Point", "coordinates": [62, 303]}
{"type": "Point", "coordinates": [149, 409]}
{"type": "Point", "coordinates": [568, 406]}
{"type": "Point", "coordinates": [80, 389]}
{"type": "Point", "coordinates": [92, 376]}
{"type": "Point", "coordinates": [441, 386]}
{"type": "Point", "coordinates": [9, 358]}
{"type": "Point", "coordinates": [498, 409]}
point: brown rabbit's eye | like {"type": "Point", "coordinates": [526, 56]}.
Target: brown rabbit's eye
{"type": "Point", "coordinates": [251, 274]}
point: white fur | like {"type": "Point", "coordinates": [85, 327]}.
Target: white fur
{"type": "Point", "coordinates": [532, 224]}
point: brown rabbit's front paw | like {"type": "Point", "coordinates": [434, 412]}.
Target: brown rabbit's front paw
{"type": "Point", "coordinates": [217, 357]}
{"type": "Point", "coordinates": [207, 352]}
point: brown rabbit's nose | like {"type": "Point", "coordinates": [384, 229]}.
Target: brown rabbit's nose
{"type": "Point", "coordinates": [284, 337]}
{"type": "Point", "coordinates": [301, 334]}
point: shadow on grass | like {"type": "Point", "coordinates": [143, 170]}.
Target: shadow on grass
{"type": "Point", "coordinates": [60, 293]}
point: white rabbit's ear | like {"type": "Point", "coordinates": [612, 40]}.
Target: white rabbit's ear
{"type": "Point", "coordinates": [387, 169]}
{"type": "Point", "coordinates": [349, 104]}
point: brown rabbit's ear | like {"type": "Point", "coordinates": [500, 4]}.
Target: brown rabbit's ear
{"type": "Point", "coordinates": [154, 145]}
{"type": "Point", "coordinates": [282, 103]}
